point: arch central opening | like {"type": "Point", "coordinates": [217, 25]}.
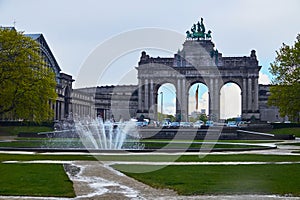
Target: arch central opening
{"type": "Point", "coordinates": [198, 104]}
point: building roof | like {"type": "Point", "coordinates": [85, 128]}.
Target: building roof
{"type": "Point", "coordinates": [8, 28]}
{"type": "Point", "coordinates": [34, 36]}
{"type": "Point", "coordinates": [46, 49]}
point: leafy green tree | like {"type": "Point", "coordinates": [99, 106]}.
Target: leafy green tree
{"type": "Point", "coordinates": [203, 118]}
{"type": "Point", "coordinates": [27, 85]}
{"type": "Point", "coordinates": [161, 117]}
{"type": "Point", "coordinates": [285, 94]}
{"type": "Point", "coordinates": [171, 117]}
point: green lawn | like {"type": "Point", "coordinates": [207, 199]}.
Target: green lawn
{"type": "Point", "coordinates": [221, 179]}
{"type": "Point", "coordinates": [21, 143]}
{"type": "Point", "coordinates": [292, 143]}
{"type": "Point", "coordinates": [291, 131]}
{"type": "Point", "coordinates": [35, 180]}
{"type": "Point", "coordinates": [14, 130]}
{"type": "Point", "coordinates": [44, 143]}
{"type": "Point", "coordinates": [156, 158]}
{"type": "Point", "coordinates": [223, 141]}
{"type": "Point", "coordinates": [29, 157]}
{"type": "Point", "coordinates": [203, 158]}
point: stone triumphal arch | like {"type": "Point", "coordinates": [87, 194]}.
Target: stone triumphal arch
{"type": "Point", "coordinates": [198, 61]}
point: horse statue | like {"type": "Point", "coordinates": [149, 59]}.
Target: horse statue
{"type": "Point", "coordinates": [189, 35]}
{"type": "Point", "coordinates": [208, 35]}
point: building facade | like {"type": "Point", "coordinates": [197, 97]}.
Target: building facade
{"type": "Point", "coordinates": [68, 100]}
{"type": "Point", "coordinates": [116, 102]}
{"type": "Point", "coordinates": [198, 62]}
{"type": "Point", "coordinates": [268, 113]}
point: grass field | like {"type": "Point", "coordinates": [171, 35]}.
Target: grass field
{"type": "Point", "coordinates": [291, 131]}
{"type": "Point", "coordinates": [14, 130]}
{"type": "Point", "coordinates": [293, 144]}
{"type": "Point", "coordinates": [35, 180]}
{"type": "Point", "coordinates": [156, 158]}
{"type": "Point", "coordinates": [222, 179]}
{"type": "Point", "coordinates": [44, 143]}
{"type": "Point", "coordinates": [30, 157]}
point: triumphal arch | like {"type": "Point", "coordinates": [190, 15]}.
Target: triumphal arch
{"type": "Point", "coordinates": [198, 62]}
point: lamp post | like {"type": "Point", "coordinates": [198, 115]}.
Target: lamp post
{"type": "Point", "coordinates": [162, 100]}
{"type": "Point", "coordinates": [161, 105]}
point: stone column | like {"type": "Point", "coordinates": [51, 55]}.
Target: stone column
{"type": "Point", "coordinates": [211, 97]}
{"type": "Point", "coordinates": [217, 99]}
{"type": "Point", "coordinates": [62, 110]}
{"type": "Point", "coordinates": [244, 96]}
{"type": "Point", "coordinates": [178, 96]}
{"type": "Point", "coordinates": [184, 106]}
{"type": "Point", "coordinates": [140, 95]}
{"type": "Point", "coordinates": [54, 109]}
{"type": "Point", "coordinates": [146, 107]}
{"type": "Point", "coordinates": [59, 110]}
{"type": "Point", "coordinates": [249, 94]}
{"type": "Point", "coordinates": [255, 107]}
{"type": "Point", "coordinates": [151, 94]}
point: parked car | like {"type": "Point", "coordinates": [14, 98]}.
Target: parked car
{"type": "Point", "coordinates": [166, 124]}
{"type": "Point", "coordinates": [175, 125]}
{"type": "Point", "coordinates": [209, 123]}
{"type": "Point", "coordinates": [185, 124]}
{"type": "Point", "coordinates": [198, 124]}
{"type": "Point", "coordinates": [153, 124]}
{"type": "Point", "coordinates": [141, 123]}
{"type": "Point", "coordinates": [231, 124]}
{"type": "Point", "coordinates": [242, 124]}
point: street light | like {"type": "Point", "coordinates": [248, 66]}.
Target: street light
{"type": "Point", "coordinates": [161, 105]}
{"type": "Point", "coordinates": [161, 108]}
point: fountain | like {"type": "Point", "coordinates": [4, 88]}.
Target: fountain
{"type": "Point", "coordinates": [96, 134]}
{"type": "Point", "coordinates": [93, 134]}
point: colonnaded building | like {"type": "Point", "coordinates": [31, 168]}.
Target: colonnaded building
{"type": "Point", "coordinates": [197, 62]}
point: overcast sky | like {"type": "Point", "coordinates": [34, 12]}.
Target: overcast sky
{"type": "Point", "coordinates": [73, 28]}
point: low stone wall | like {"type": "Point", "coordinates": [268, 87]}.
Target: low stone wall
{"type": "Point", "coordinates": [213, 133]}
{"type": "Point", "coordinates": [189, 133]}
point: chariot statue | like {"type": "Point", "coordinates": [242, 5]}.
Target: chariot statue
{"type": "Point", "coordinates": [198, 32]}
